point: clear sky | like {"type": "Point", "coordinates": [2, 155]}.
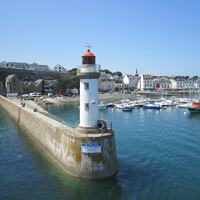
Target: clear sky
{"type": "Point", "coordinates": [158, 37]}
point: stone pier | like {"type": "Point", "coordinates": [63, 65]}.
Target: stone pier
{"type": "Point", "coordinates": [83, 156]}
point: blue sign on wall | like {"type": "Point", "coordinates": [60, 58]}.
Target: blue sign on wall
{"type": "Point", "coordinates": [91, 147]}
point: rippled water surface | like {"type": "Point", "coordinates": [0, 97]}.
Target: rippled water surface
{"type": "Point", "coordinates": [158, 157]}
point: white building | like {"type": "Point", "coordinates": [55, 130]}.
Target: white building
{"type": "Point", "coordinates": [59, 68]}
{"type": "Point", "coordinates": [129, 81]}
{"type": "Point", "coordinates": [117, 77]}
{"type": "Point", "coordinates": [162, 83]}
{"type": "Point", "coordinates": [196, 85]}
{"type": "Point", "coordinates": [189, 84]}
{"type": "Point", "coordinates": [147, 82]}
{"type": "Point", "coordinates": [105, 82]}
{"type": "Point", "coordinates": [15, 65]}
{"type": "Point", "coordinates": [178, 83]}
{"type": "Point", "coordinates": [35, 66]}
{"type": "Point", "coordinates": [26, 66]}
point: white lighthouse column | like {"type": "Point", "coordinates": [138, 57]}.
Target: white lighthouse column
{"type": "Point", "coordinates": [88, 73]}
{"type": "Point", "coordinates": [89, 111]}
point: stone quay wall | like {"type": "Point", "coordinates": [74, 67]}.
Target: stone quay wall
{"type": "Point", "coordinates": [63, 144]}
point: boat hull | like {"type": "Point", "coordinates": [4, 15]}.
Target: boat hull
{"type": "Point", "coordinates": [102, 107]}
{"type": "Point", "coordinates": [150, 107]}
{"type": "Point", "coordinates": [197, 110]}
{"type": "Point", "coordinates": [127, 109]}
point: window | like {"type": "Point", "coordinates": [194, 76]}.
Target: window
{"type": "Point", "coordinates": [86, 106]}
{"type": "Point", "coordinates": [86, 86]}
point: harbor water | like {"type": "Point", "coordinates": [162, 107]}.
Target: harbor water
{"type": "Point", "coordinates": [158, 157]}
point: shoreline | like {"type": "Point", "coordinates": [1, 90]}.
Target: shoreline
{"type": "Point", "coordinates": [119, 96]}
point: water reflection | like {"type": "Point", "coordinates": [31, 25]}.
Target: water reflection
{"type": "Point", "coordinates": [194, 115]}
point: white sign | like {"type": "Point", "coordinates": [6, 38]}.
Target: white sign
{"type": "Point", "coordinates": [91, 147]}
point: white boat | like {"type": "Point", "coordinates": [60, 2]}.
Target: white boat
{"type": "Point", "coordinates": [184, 105]}
{"type": "Point", "coordinates": [151, 106]}
{"type": "Point", "coordinates": [102, 106]}
{"type": "Point", "coordinates": [110, 105]}
{"type": "Point", "coordinates": [119, 105]}
{"type": "Point", "coordinates": [129, 105]}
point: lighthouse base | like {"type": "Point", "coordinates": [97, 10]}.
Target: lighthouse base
{"type": "Point", "coordinates": [88, 130]}
{"type": "Point", "coordinates": [98, 154]}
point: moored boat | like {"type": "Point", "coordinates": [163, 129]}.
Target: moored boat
{"type": "Point", "coordinates": [102, 106]}
{"type": "Point", "coordinates": [151, 106]}
{"type": "Point", "coordinates": [110, 105]}
{"type": "Point", "coordinates": [127, 109]}
{"type": "Point", "coordinates": [195, 107]}
{"type": "Point", "coordinates": [184, 105]}
{"type": "Point", "coordinates": [48, 103]}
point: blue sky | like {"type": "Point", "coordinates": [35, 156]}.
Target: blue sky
{"type": "Point", "coordinates": [158, 37]}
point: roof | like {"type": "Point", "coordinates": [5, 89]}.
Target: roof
{"type": "Point", "coordinates": [37, 82]}
{"type": "Point", "coordinates": [10, 76]}
{"type": "Point", "coordinates": [17, 63]}
{"type": "Point", "coordinates": [36, 65]}
{"type": "Point", "coordinates": [88, 54]}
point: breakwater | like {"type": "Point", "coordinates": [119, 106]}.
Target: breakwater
{"type": "Point", "coordinates": [63, 144]}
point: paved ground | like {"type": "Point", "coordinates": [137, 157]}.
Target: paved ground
{"type": "Point", "coordinates": [30, 104]}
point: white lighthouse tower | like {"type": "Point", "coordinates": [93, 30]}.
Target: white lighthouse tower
{"type": "Point", "coordinates": [88, 73]}
{"type": "Point", "coordinates": [95, 151]}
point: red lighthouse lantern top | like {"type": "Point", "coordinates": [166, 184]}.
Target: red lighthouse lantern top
{"type": "Point", "coordinates": [88, 53]}
{"type": "Point", "coordinates": [88, 58]}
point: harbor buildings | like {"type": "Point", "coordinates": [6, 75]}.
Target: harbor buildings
{"type": "Point", "coordinates": [25, 66]}
{"type": "Point", "coordinates": [106, 82]}
{"type": "Point", "coordinates": [147, 82]}
{"type": "Point", "coordinates": [59, 68]}
{"type": "Point", "coordinates": [15, 85]}
{"type": "Point", "coordinates": [129, 81]}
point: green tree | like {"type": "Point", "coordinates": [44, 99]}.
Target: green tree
{"type": "Point", "coordinates": [75, 83]}
{"type": "Point", "coordinates": [73, 71]}
{"type": "Point", "coordinates": [195, 77]}
{"type": "Point", "coordinates": [117, 73]}
{"type": "Point", "coordinates": [107, 71]}
{"type": "Point", "coordinates": [61, 85]}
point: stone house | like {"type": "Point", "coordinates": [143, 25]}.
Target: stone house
{"type": "Point", "coordinates": [13, 84]}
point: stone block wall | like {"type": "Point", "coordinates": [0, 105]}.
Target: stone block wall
{"type": "Point", "coordinates": [62, 144]}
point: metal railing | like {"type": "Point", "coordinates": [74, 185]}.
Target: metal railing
{"type": "Point", "coordinates": [88, 68]}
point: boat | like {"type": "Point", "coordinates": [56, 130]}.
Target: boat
{"type": "Point", "coordinates": [102, 106]}
{"type": "Point", "coordinates": [110, 105]}
{"type": "Point", "coordinates": [184, 105]}
{"type": "Point", "coordinates": [195, 107]}
{"type": "Point", "coordinates": [151, 106]}
{"type": "Point", "coordinates": [47, 103]}
{"type": "Point", "coordinates": [127, 109]}
{"type": "Point", "coordinates": [119, 106]}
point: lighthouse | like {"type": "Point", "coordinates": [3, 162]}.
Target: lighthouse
{"type": "Point", "coordinates": [94, 150]}
{"type": "Point", "coordinates": [88, 73]}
